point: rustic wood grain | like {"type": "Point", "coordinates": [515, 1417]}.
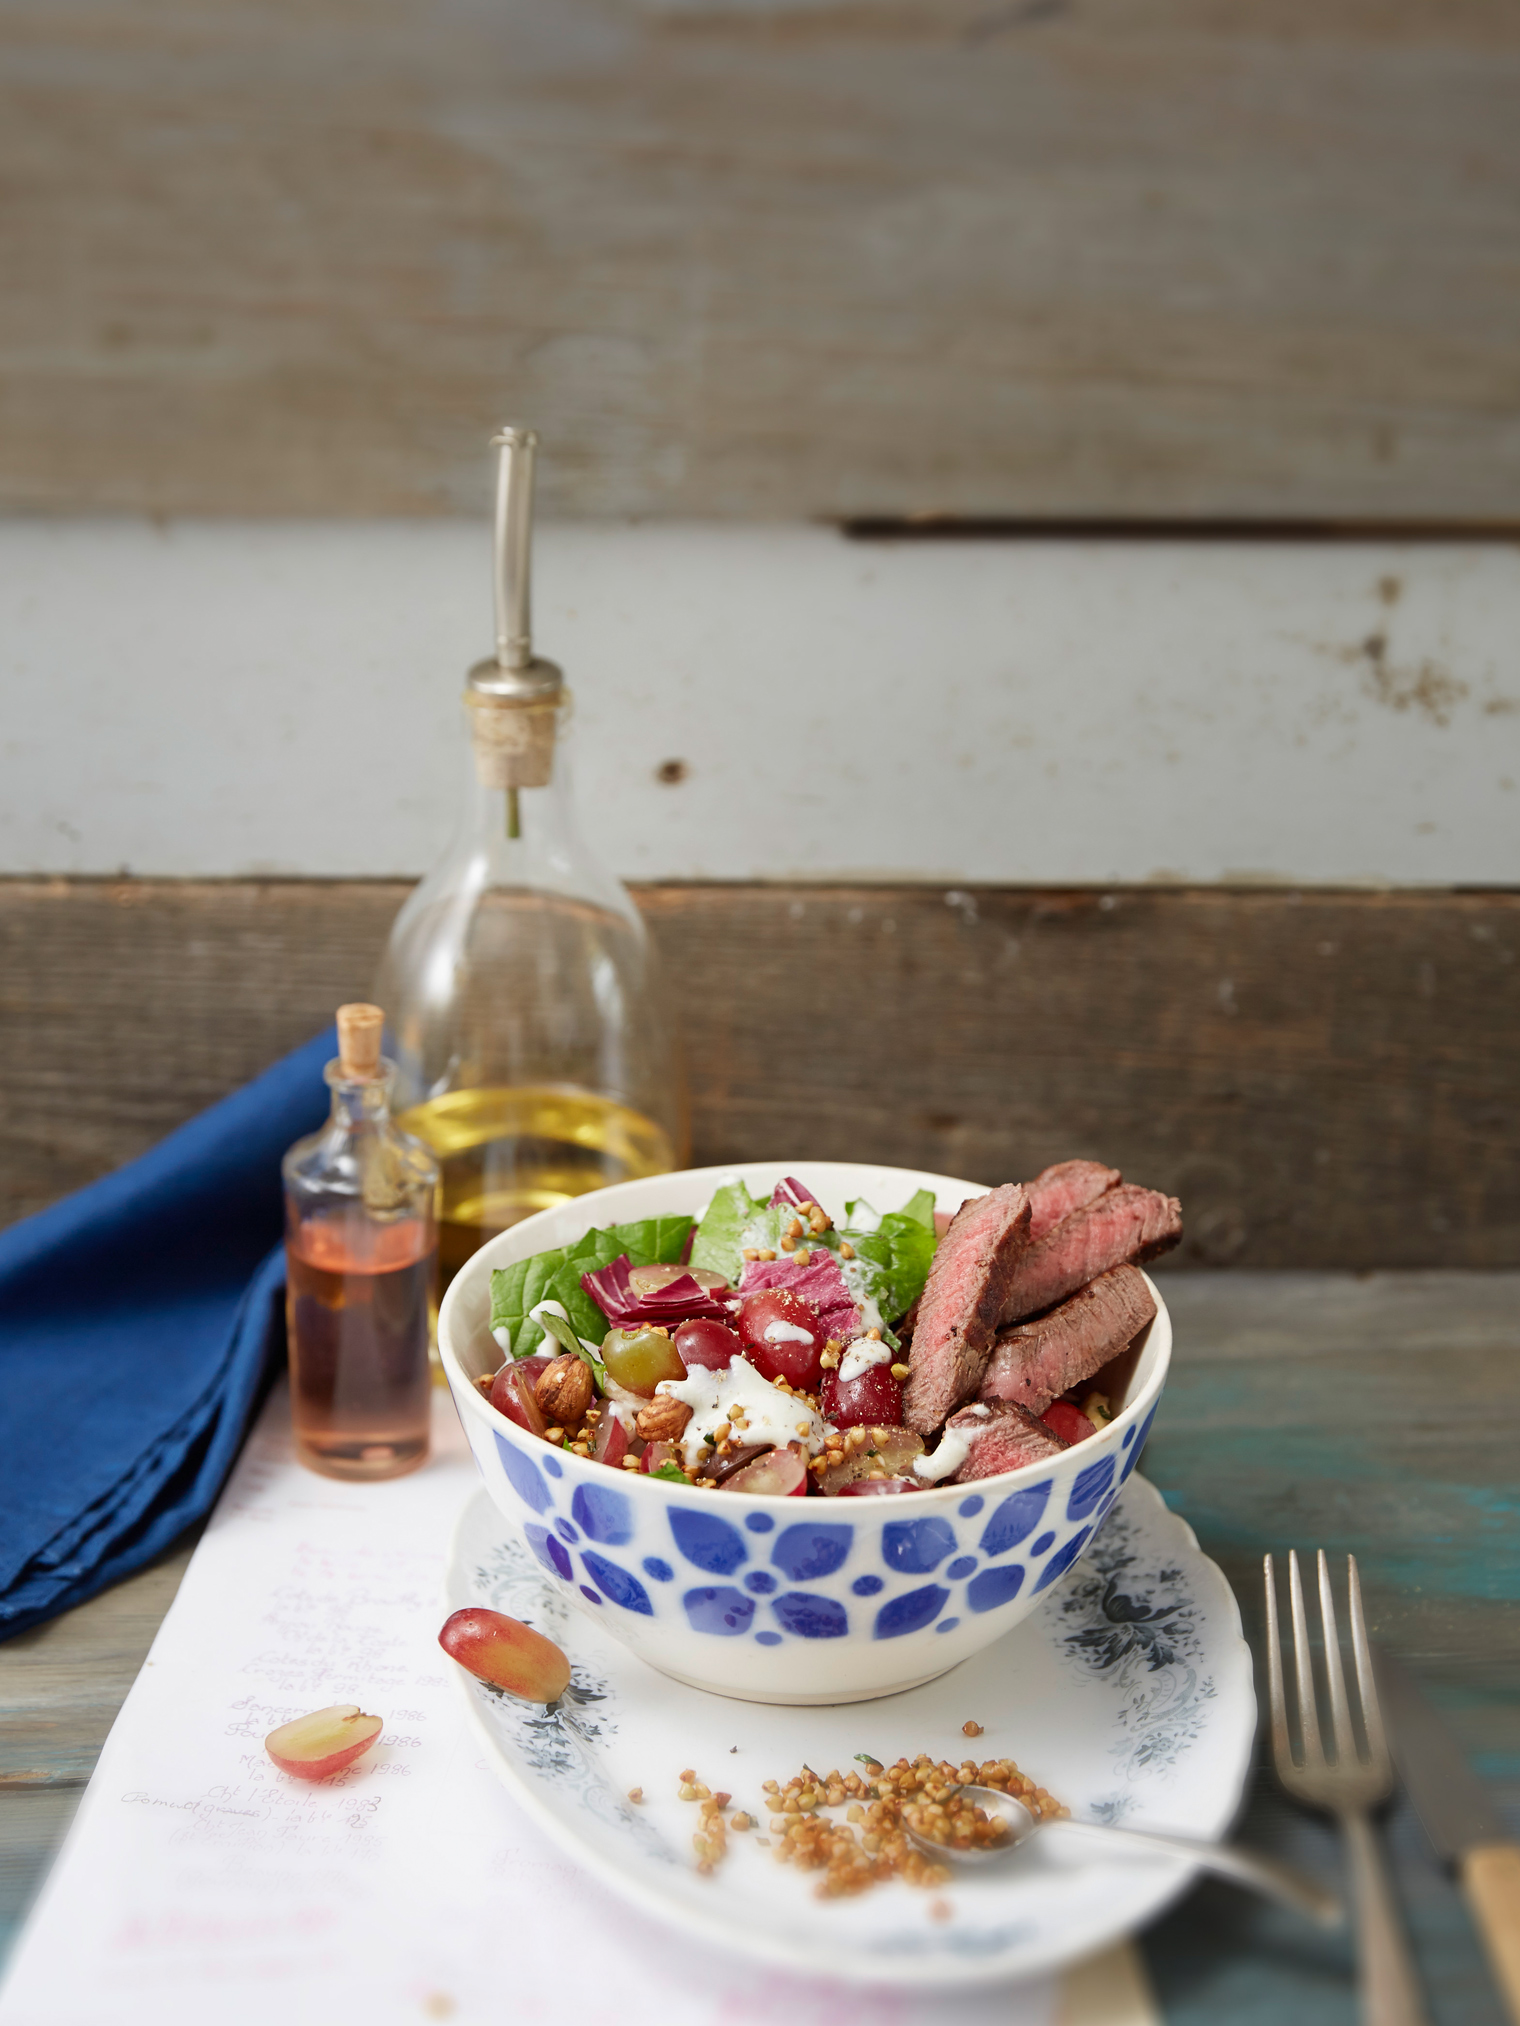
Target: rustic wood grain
{"type": "Point", "coordinates": [62, 1683]}
{"type": "Point", "coordinates": [761, 258]}
{"type": "Point", "coordinates": [1327, 1079]}
{"type": "Point", "coordinates": [1377, 1415]}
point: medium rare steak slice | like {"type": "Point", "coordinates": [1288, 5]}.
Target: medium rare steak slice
{"type": "Point", "coordinates": [1035, 1362]}
{"type": "Point", "coordinates": [1068, 1186]}
{"type": "Point", "coordinates": [1002, 1437]}
{"type": "Point", "coordinates": [1124, 1225]}
{"type": "Point", "coordinates": [967, 1290]}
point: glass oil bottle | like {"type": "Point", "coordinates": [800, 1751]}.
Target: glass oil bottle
{"type": "Point", "coordinates": [534, 1052]}
{"type": "Point", "coordinates": [361, 1254]}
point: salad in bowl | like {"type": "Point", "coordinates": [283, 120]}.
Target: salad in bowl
{"type": "Point", "coordinates": [653, 1375]}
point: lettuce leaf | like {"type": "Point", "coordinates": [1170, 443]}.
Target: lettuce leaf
{"type": "Point", "coordinates": [556, 1276]}
{"type": "Point", "coordinates": [900, 1249]}
{"type": "Point", "coordinates": [716, 1246]}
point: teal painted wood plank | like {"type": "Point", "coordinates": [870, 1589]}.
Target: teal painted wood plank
{"type": "Point", "coordinates": [1379, 1417]}
{"type": "Point", "coordinates": [1222, 1959]}
{"type": "Point", "coordinates": [33, 1823]}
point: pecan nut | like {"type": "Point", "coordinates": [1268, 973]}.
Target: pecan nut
{"type": "Point", "coordinates": [564, 1390]}
{"type": "Point", "coordinates": [663, 1420]}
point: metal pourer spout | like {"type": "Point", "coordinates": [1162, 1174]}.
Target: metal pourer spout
{"type": "Point", "coordinates": [514, 546]}
{"type": "Point", "coordinates": [513, 697]}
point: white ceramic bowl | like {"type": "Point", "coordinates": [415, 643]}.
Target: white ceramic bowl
{"type": "Point", "coordinates": [784, 1600]}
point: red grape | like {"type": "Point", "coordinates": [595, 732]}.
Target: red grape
{"type": "Point", "coordinates": [657, 1454]}
{"type": "Point", "coordinates": [873, 1396]}
{"type": "Point", "coordinates": [1069, 1422]}
{"type": "Point", "coordinates": [316, 1746]}
{"type": "Point", "coordinates": [611, 1444]}
{"type": "Point", "coordinates": [649, 1279]}
{"type": "Point", "coordinates": [874, 1487]}
{"type": "Point", "coordinates": [702, 1342]}
{"type": "Point", "coordinates": [512, 1393]}
{"type": "Point", "coordinates": [508, 1654]}
{"type": "Point", "coordinates": [780, 1473]}
{"type": "Point", "coordinates": [783, 1337]}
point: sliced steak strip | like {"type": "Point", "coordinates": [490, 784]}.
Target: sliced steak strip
{"type": "Point", "coordinates": [1035, 1362]}
{"type": "Point", "coordinates": [1003, 1437]}
{"type": "Point", "coordinates": [1068, 1186]}
{"type": "Point", "coordinates": [1124, 1225]}
{"type": "Point", "coordinates": [967, 1290]}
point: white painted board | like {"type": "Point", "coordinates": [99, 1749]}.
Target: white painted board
{"type": "Point", "coordinates": [223, 698]}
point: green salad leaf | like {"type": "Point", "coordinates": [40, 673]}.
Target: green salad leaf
{"type": "Point", "coordinates": [900, 1249]}
{"type": "Point", "coordinates": [556, 1276]}
{"type": "Point", "coordinates": [716, 1246]}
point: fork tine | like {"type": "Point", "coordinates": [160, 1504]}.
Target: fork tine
{"type": "Point", "coordinates": [1282, 1748]}
{"type": "Point", "coordinates": [1366, 1679]}
{"type": "Point", "coordinates": [1303, 1667]}
{"type": "Point", "coordinates": [1340, 1710]}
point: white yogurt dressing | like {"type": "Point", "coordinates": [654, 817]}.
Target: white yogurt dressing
{"type": "Point", "coordinates": [861, 1356]}
{"type": "Point", "coordinates": [857, 1274]}
{"type": "Point", "coordinates": [536, 1314]}
{"type": "Point", "coordinates": [783, 1332]}
{"type": "Point", "coordinates": [769, 1415]}
{"type": "Point", "coordinates": [954, 1448]}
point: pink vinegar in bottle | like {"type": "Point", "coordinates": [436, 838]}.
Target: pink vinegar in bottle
{"type": "Point", "coordinates": [361, 1251]}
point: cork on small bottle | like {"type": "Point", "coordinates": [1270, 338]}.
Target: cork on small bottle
{"type": "Point", "coordinates": [359, 1031]}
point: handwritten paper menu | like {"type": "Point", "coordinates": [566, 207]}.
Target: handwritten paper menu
{"type": "Point", "coordinates": [198, 1882]}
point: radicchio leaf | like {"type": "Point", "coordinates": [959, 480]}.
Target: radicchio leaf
{"type": "Point", "coordinates": [790, 1194]}
{"type": "Point", "coordinates": [678, 1301]}
{"type": "Point", "coordinates": [819, 1282]}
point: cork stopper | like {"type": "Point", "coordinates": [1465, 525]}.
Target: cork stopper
{"type": "Point", "coordinates": [359, 1030]}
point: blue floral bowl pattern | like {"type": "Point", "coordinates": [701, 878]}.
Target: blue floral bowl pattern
{"type": "Point", "coordinates": [785, 1599]}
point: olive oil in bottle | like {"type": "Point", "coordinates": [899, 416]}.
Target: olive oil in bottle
{"type": "Point", "coordinates": [534, 1054]}
{"type": "Point", "coordinates": [502, 1154]}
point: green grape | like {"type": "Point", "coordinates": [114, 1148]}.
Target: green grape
{"type": "Point", "coordinates": [640, 1358]}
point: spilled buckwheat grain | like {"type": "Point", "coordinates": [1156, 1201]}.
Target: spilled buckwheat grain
{"type": "Point", "coordinates": [871, 1845]}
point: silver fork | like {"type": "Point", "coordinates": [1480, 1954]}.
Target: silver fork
{"type": "Point", "coordinates": [1348, 1784]}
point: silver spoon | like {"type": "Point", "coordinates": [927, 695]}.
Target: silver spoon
{"type": "Point", "coordinates": [1262, 1874]}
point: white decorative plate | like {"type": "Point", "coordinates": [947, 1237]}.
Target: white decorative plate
{"type": "Point", "coordinates": [1128, 1695]}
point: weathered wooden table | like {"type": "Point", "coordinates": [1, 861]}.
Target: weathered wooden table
{"type": "Point", "coordinates": [1373, 1413]}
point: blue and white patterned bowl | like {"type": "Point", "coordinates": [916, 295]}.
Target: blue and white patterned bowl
{"type": "Point", "coordinates": [784, 1600]}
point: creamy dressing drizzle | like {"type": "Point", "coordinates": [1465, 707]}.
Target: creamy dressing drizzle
{"type": "Point", "coordinates": [782, 1332]}
{"type": "Point", "coordinates": [536, 1314]}
{"type": "Point", "coordinates": [954, 1448]}
{"type": "Point", "coordinates": [860, 1357]}
{"type": "Point", "coordinates": [758, 1237]}
{"type": "Point", "coordinates": [856, 1275]}
{"type": "Point", "coordinates": [770, 1416]}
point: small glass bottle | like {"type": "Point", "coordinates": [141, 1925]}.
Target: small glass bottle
{"type": "Point", "coordinates": [361, 1252]}
{"type": "Point", "coordinates": [535, 1052]}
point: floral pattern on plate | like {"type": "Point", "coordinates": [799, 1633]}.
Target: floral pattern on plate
{"type": "Point", "coordinates": [1128, 1694]}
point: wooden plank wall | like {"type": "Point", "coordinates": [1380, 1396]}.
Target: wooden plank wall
{"type": "Point", "coordinates": [763, 258]}
{"type": "Point", "coordinates": [1327, 1079]}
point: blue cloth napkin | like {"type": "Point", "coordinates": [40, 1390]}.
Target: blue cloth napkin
{"type": "Point", "coordinates": [139, 1320]}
